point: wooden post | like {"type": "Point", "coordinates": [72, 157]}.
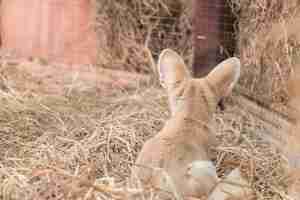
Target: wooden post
{"type": "Point", "coordinates": [0, 23]}
{"type": "Point", "coordinates": [213, 34]}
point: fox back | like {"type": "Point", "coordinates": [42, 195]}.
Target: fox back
{"type": "Point", "coordinates": [186, 137]}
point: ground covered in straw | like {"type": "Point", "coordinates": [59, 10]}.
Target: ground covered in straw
{"type": "Point", "coordinates": [82, 145]}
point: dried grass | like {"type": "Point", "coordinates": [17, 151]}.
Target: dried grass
{"type": "Point", "coordinates": [83, 146]}
{"type": "Point", "coordinates": [269, 43]}
{"type": "Point", "coordinates": [128, 29]}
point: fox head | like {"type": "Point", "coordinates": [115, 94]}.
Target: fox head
{"type": "Point", "coordinates": [195, 95]}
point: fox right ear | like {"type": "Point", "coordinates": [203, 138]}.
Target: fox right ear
{"type": "Point", "coordinates": [171, 68]}
{"type": "Point", "coordinates": [225, 76]}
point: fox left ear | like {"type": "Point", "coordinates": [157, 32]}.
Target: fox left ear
{"type": "Point", "coordinates": [172, 69]}
{"type": "Point", "coordinates": [225, 76]}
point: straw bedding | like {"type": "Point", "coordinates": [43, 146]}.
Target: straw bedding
{"type": "Point", "coordinates": [82, 146]}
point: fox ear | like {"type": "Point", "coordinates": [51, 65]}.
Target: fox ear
{"type": "Point", "coordinates": [225, 76]}
{"type": "Point", "coordinates": [171, 68]}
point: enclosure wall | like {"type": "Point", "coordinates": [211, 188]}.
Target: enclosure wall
{"type": "Point", "coordinates": [57, 30]}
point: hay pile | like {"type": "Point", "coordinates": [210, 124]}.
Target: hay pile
{"type": "Point", "coordinates": [82, 146]}
{"type": "Point", "coordinates": [127, 29]}
{"type": "Point", "coordinates": [269, 43]}
{"type": "Point", "coordinates": [40, 133]}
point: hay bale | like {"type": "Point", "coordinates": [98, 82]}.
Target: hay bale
{"type": "Point", "coordinates": [133, 27]}
{"type": "Point", "coordinates": [268, 45]}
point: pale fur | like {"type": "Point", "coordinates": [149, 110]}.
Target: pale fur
{"type": "Point", "coordinates": [182, 148]}
{"type": "Point", "coordinates": [232, 187]}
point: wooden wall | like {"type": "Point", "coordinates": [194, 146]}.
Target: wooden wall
{"type": "Point", "coordinates": [57, 30]}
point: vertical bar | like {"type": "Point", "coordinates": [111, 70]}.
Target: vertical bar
{"type": "Point", "coordinates": [0, 23]}
{"type": "Point", "coordinates": [30, 18]}
{"type": "Point", "coordinates": [58, 28]}
{"type": "Point", "coordinates": [44, 31]}
{"type": "Point", "coordinates": [210, 21]}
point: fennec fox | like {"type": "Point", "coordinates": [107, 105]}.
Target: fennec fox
{"type": "Point", "coordinates": [186, 138]}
